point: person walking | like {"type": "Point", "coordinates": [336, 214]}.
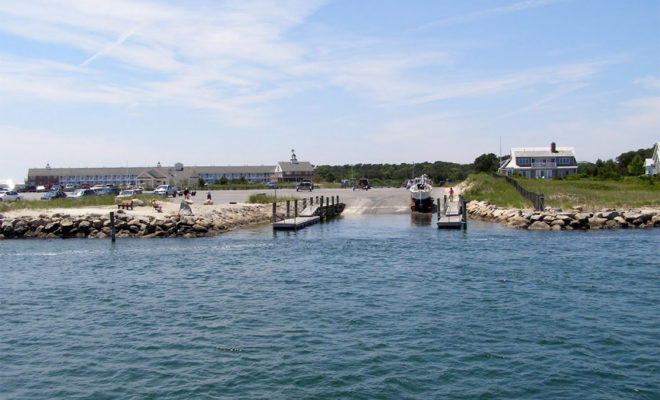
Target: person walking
{"type": "Point", "coordinates": [208, 195]}
{"type": "Point", "coordinates": [451, 194]}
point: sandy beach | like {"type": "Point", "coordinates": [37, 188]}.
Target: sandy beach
{"type": "Point", "coordinates": [373, 201]}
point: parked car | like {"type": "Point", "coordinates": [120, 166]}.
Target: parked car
{"type": "Point", "coordinates": [165, 191]}
{"type": "Point", "coordinates": [82, 193]}
{"type": "Point", "coordinates": [54, 194]}
{"type": "Point", "coordinates": [305, 185]}
{"type": "Point", "coordinates": [126, 194]}
{"type": "Point", "coordinates": [107, 190]}
{"type": "Point", "coordinates": [69, 187]}
{"type": "Point", "coordinates": [363, 183]}
{"type": "Point", "coordinates": [271, 185]}
{"type": "Point", "coordinates": [41, 188]}
{"type": "Point", "coordinates": [10, 195]}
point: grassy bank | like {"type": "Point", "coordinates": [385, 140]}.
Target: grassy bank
{"type": "Point", "coordinates": [262, 198]}
{"type": "Point", "coordinates": [87, 201]}
{"type": "Point", "coordinates": [590, 194]}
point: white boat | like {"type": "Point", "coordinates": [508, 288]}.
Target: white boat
{"type": "Point", "coordinates": [420, 194]}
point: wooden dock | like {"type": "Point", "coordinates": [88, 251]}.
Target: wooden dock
{"type": "Point", "coordinates": [293, 224]}
{"type": "Point", "coordinates": [452, 214]}
{"type": "Point", "coordinates": [312, 213]}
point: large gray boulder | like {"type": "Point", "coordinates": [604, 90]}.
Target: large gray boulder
{"type": "Point", "coordinates": [185, 209]}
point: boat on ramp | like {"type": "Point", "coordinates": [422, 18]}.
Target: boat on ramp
{"type": "Point", "coordinates": [420, 194]}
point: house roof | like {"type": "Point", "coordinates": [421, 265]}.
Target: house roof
{"type": "Point", "coordinates": [302, 166]}
{"type": "Point", "coordinates": [252, 169]}
{"type": "Point", "coordinates": [86, 171]}
{"type": "Point", "coordinates": [542, 152]}
{"type": "Point", "coordinates": [537, 152]}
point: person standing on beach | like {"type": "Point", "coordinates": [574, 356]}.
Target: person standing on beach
{"type": "Point", "coordinates": [451, 194]}
{"type": "Point", "coordinates": [208, 195]}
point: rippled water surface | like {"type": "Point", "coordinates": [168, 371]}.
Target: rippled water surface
{"type": "Point", "coordinates": [360, 308]}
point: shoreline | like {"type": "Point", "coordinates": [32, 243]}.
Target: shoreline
{"type": "Point", "coordinates": [141, 222]}
{"type": "Point", "coordinates": [558, 219]}
{"type": "Point", "coordinates": [232, 213]}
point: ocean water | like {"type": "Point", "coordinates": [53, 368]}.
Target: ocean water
{"type": "Point", "coordinates": [372, 307]}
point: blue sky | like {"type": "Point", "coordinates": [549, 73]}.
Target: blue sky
{"type": "Point", "coordinates": [128, 82]}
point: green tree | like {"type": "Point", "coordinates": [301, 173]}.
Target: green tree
{"type": "Point", "coordinates": [224, 180]}
{"type": "Point", "coordinates": [486, 163]}
{"type": "Point", "coordinates": [636, 165]}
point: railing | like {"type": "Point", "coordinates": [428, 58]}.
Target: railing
{"type": "Point", "coordinates": [544, 164]}
{"type": "Point", "coordinates": [538, 200]}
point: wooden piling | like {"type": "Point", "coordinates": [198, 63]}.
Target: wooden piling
{"type": "Point", "coordinates": [274, 212]}
{"type": "Point", "coordinates": [288, 208]}
{"type": "Point", "coordinates": [295, 208]}
{"type": "Point", "coordinates": [112, 225]}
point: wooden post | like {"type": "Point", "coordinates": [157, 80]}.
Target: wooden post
{"type": "Point", "coordinates": [304, 203]}
{"type": "Point", "coordinates": [274, 212]}
{"type": "Point", "coordinates": [288, 208]}
{"type": "Point", "coordinates": [464, 211]}
{"type": "Point", "coordinates": [112, 225]}
{"type": "Point", "coordinates": [295, 208]}
{"type": "Point", "coordinates": [444, 205]}
{"type": "Point", "coordinates": [438, 199]}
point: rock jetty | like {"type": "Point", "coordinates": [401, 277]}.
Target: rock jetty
{"type": "Point", "coordinates": [60, 225]}
{"type": "Point", "coordinates": [558, 219]}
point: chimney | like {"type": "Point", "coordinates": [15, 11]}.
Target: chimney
{"type": "Point", "coordinates": [553, 147]}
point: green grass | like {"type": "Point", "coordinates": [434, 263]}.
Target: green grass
{"type": "Point", "coordinates": [262, 198]}
{"type": "Point", "coordinates": [87, 201]}
{"type": "Point", "coordinates": [566, 194]}
{"type": "Point", "coordinates": [482, 187]}
{"type": "Point", "coordinates": [626, 193]}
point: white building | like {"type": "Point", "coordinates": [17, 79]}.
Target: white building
{"type": "Point", "coordinates": [541, 162]}
{"type": "Point", "coordinates": [652, 165]}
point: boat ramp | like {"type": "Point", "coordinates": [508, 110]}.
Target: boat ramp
{"type": "Point", "coordinates": [312, 212]}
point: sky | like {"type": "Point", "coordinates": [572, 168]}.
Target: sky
{"type": "Point", "coordinates": [87, 83]}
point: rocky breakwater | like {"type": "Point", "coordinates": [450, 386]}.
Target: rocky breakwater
{"type": "Point", "coordinates": [557, 219]}
{"type": "Point", "coordinates": [126, 225]}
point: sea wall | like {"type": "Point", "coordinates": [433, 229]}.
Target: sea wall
{"type": "Point", "coordinates": [126, 225]}
{"type": "Point", "coordinates": [557, 219]}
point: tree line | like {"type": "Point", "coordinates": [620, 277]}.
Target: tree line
{"type": "Point", "coordinates": [630, 163]}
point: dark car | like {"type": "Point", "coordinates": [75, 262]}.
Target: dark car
{"type": "Point", "coordinates": [305, 185]}
{"type": "Point", "coordinates": [363, 184]}
{"type": "Point", "coordinates": [108, 190]}
{"type": "Point", "coordinates": [54, 194]}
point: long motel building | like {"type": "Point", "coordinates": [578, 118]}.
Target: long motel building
{"type": "Point", "coordinates": [177, 175]}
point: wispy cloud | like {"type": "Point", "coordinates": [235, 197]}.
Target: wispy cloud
{"type": "Point", "coordinates": [649, 82]}
{"type": "Point", "coordinates": [488, 13]}
{"type": "Point", "coordinates": [111, 46]}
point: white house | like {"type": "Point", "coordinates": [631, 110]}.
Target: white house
{"type": "Point", "coordinates": [541, 162]}
{"type": "Point", "coordinates": [652, 165]}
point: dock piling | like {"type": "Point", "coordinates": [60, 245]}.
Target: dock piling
{"type": "Point", "coordinates": [112, 226]}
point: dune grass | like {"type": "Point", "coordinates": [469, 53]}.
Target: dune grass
{"type": "Point", "coordinates": [626, 193]}
{"type": "Point", "coordinates": [566, 194]}
{"type": "Point", "coordinates": [69, 202]}
{"type": "Point", "coordinates": [482, 187]}
{"type": "Point", "coordinates": [263, 198]}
